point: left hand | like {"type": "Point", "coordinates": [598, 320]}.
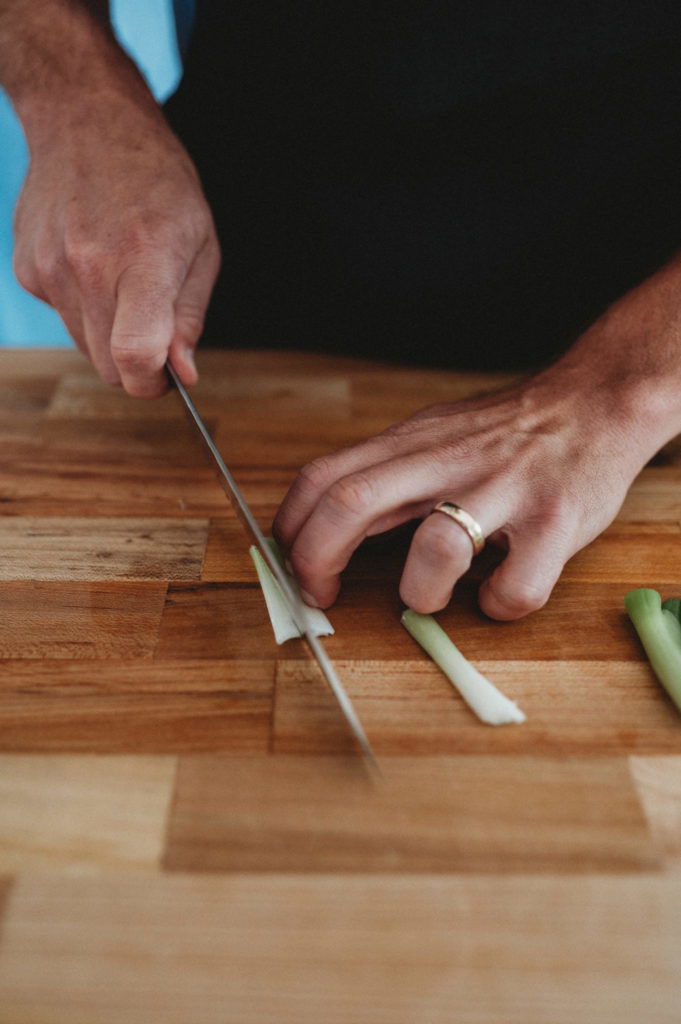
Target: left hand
{"type": "Point", "coordinates": [543, 466]}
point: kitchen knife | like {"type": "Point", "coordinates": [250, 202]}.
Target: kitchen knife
{"type": "Point", "coordinates": [247, 518]}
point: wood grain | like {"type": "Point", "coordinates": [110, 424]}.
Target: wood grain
{"type": "Point", "coordinates": [410, 389]}
{"type": "Point", "coordinates": [122, 949]}
{"type": "Point", "coordinates": [622, 555]}
{"type": "Point", "coordinates": [573, 708]}
{"type": "Point", "coordinates": [24, 397]}
{"type": "Point", "coordinates": [658, 782]}
{"type": "Point", "coordinates": [83, 812]}
{"type": "Point", "coordinates": [290, 440]}
{"type": "Point", "coordinates": [82, 395]}
{"type": "Point", "coordinates": [6, 883]}
{"type": "Point", "coordinates": [426, 814]}
{"type": "Point", "coordinates": [367, 622]}
{"type": "Point", "coordinates": [520, 875]}
{"type": "Point", "coordinates": [80, 620]}
{"type": "Point", "coordinates": [20, 364]}
{"type": "Point", "coordinates": [131, 706]}
{"type": "Point", "coordinates": [57, 548]}
{"type": "Point", "coordinates": [227, 556]}
{"type": "Point", "coordinates": [104, 468]}
{"type": "Point", "coordinates": [655, 495]}
{"type": "Point", "coordinates": [216, 620]}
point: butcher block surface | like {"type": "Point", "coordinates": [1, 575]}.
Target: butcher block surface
{"type": "Point", "coordinates": [187, 832]}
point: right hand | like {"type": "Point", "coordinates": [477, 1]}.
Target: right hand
{"type": "Point", "coordinates": [113, 230]}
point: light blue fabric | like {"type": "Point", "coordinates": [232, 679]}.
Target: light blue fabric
{"type": "Point", "coordinates": [147, 32]}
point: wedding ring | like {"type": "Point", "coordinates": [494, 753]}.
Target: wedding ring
{"type": "Point", "coordinates": [465, 521]}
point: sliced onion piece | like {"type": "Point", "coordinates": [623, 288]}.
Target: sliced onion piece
{"type": "Point", "coordinates": [279, 610]}
{"type": "Point", "coordinates": [482, 697]}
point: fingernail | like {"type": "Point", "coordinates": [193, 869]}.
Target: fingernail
{"type": "Point", "coordinates": [309, 599]}
{"type": "Point", "coordinates": [189, 357]}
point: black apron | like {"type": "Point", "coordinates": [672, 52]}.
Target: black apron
{"type": "Point", "coordinates": [449, 184]}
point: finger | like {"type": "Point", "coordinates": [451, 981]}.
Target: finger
{"type": "Point", "coordinates": [57, 290]}
{"type": "Point", "coordinates": [143, 327]}
{"type": "Point", "coordinates": [66, 302]}
{"type": "Point", "coordinates": [523, 582]}
{"type": "Point", "coordinates": [315, 479]}
{"type": "Point", "coordinates": [346, 512]}
{"type": "Point", "coordinates": [190, 311]}
{"type": "Point", "coordinates": [441, 551]}
{"type": "Point", "coordinates": [28, 277]}
{"type": "Point", "coordinates": [98, 315]}
{"type": "Point", "coordinates": [73, 322]}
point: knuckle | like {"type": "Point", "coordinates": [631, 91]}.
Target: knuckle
{"type": "Point", "coordinates": [436, 548]}
{"type": "Point", "coordinates": [132, 353]}
{"type": "Point", "coordinates": [157, 233]}
{"type": "Point", "coordinates": [142, 245]}
{"type": "Point", "coordinates": [48, 270]}
{"type": "Point", "coordinates": [317, 475]}
{"type": "Point", "coordinates": [431, 412]}
{"type": "Point", "coordinates": [442, 542]}
{"type": "Point", "coordinates": [26, 274]}
{"type": "Point", "coordinates": [553, 508]}
{"type": "Point", "coordinates": [309, 567]}
{"type": "Point", "coordinates": [351, 495]}
{"type": "Point", "coordinates": [554, 520]}
{"type": "Point", "coordinates": [141, 229]}
{"type": "Point", "coordinates": [394, 436]}
{"type": "Point", "coordinates": [85, 258]}
{"type": "Point", "coordinates": [520, 597]}
{"type": "Point", "coordinates": [303, 566]}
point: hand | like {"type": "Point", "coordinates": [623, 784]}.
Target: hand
{"type": "Point", "coordinates": [113, 231]}
{"type": "Point", "coordinates": [543, 466]}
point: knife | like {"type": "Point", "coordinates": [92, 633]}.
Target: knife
{"type": "Point", "coordinates": [240, 506]}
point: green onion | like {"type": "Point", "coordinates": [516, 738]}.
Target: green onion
{"type": "Point", "coordinates": [278, 607]}
{"type": "Point", "coordinates": [673, 605]}
{"type": "Point", "coordinates": [482, 697]}
{"type": "Point", "coordinates": [659, 629]}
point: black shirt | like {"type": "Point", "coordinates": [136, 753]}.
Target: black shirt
{"type": "Point", "coordinates": [462, 184]}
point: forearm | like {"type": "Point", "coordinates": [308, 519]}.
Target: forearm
{"type": "Point", "coordinates": [629, 361]}
{"type": "Point", "coordinates": [57, 56]}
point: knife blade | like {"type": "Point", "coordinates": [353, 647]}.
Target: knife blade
{"type": "Point", "coordinates": [240, 506]}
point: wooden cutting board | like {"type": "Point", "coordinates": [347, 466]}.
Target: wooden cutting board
{"type": "Point", "coordinates": [186, 832]}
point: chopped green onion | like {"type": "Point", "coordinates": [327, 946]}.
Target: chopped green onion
{"type": "Point", "coordinates": [659, 630]}
{"type": "Point", "coordinates": [482, 697]}
{"type": "Point", "coordinates": [278, 607]}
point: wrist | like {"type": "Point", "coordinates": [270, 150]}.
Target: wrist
{"type": "Point", "coordinates": [638, 412]}
{"type": "Point", "coordinates": [59, 62]}
{"type": "Point", "coordinates": [627, 365]}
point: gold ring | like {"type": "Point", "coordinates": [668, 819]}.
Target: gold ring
{"type": "Point", "coordinates": [465, 521]}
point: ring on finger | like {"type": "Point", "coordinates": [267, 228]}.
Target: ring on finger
{"type": "Point", "coordinates": [465, 520]}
